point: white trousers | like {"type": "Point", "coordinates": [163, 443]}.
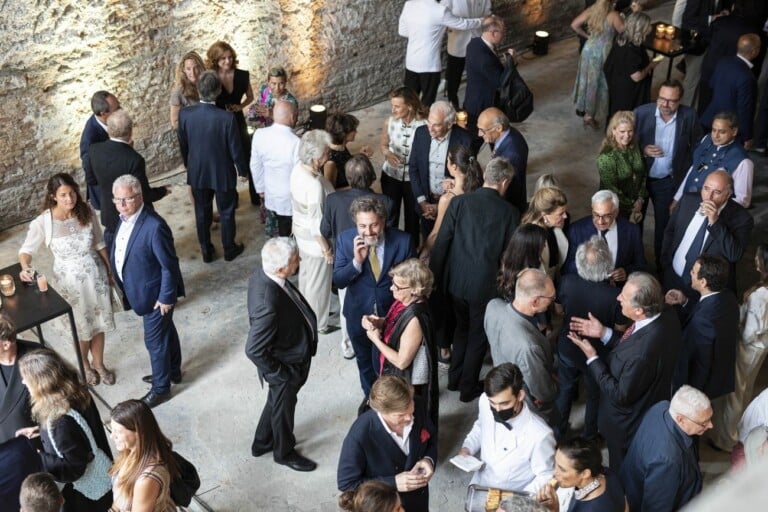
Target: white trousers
{"type": "Point", "coordinates": [315, 285]}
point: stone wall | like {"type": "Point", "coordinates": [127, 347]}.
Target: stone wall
{"type": "Point", "coordinates": [55, 53]}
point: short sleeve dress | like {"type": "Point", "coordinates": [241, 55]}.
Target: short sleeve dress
{"type": "Point", "coordinates": [158, 473]}
{"type": "Point", "coordinates": [623, 92]}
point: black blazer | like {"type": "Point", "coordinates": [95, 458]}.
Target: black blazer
{"type": "Point", "coordinates": [515, 149]}
{"type": "Point", "coordinates": [369, 453]}
{"type": "Point", "coordinates": [15, 411]}
{"type": "Point", "coordinates": [475, 231]}
{"type": "Point", "coordinates": [636, 374]}
{"type": "Point", "coordinates": [687, 135]}
{"type": "Point", "coordinates": [418, 165]}
{"type": "Point", "coordinates": [211, 147]}
{"type": "Point", "coordinates": [484, 71]}
{"type": "Point", "coordinates": [19, 459]}
{"type": "Point", "coordinates": [108, 161]}
{"type": "Point", "coordinates": [728, 237]}
{"type": "Point", "coordinates": [708, 356]}
{"type": "Point", "coordinates": [336, 216]}
{"type": "Point", "coordinates": [734, 88]}
{"type": "Point", "coordinates": [93, 132]}
{"type": "Point", "coordinates": [280, 334]}
{"type": "Point", "coordinates": [631, 255]}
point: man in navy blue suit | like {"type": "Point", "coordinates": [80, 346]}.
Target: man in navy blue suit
{"type": "Point", "coordinates": [625, 240]}
{"type": "Point", "coordinates": [364, 256]}
{"type": "Point", "coordinates": [427, 165]}
{"type": "Point", "coordinates": [213, 154]}
{"type": "Point", "coordinates": [146, 268]}
{"type": "Point", "coordinates": [734, 88]}
{"type": "Point", "coordinates": [103, 103]}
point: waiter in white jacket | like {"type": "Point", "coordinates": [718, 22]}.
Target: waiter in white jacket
{"type": "Point", "coordinates": [516, 445]}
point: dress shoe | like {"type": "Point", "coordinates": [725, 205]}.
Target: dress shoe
{"type": "Point", "coordinates": [298, 462]}
{"type": "Point", "coordinates": [346, 349]}
{"type": "Point", "coordinates": [328, 329]}
{"type": "Point", "coordinates": [208, 256]}
{"type": "Point", "coordinates": [239, 248]}
{"type": "Point", "coordinates": [258, 452]}
{"type": "Point", "coordinates": [153, 399]}
{"type": "Point", "coordinates": [174, 380]}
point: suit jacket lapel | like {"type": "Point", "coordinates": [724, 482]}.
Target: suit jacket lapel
{"type": "Point", "coordinates": [135, 234]}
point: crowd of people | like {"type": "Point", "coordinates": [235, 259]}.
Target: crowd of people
{"type": "Point", "coordinates": [481, 267]}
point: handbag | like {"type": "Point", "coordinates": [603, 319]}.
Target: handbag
{"type": "Point", "coordinates": [117, 299]}
{"type": "Point", "coordinates": [515, 98]}
{"type": "Point", "coordinates": [186, 483]}
{"type": "Point", "coordinates": [420, 366]}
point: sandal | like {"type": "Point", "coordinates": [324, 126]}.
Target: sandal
{"type": "Point", "coordinates": [107, 375]}
{"type": "Point", "coordinates": [92, 377]}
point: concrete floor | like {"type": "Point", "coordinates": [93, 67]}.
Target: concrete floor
{"type": "Point", "coordinates": [213, 414]}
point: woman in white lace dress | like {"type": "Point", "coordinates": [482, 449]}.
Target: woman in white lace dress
{"type": "Point", "coordinates": [69, 228]}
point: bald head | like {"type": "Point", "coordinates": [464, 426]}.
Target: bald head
{"type": "Point", "coordinates": [120, 125]}
{"type": "Point", "coordinates": [718, 188]}
{"type": "Point", "coordinates": [284, 112]}
{"type": "Point", "coordinates": [749, 46]}
{"type": "Point", "coordinates": [491, 123]}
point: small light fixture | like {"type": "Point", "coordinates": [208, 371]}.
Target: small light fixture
{"type": "Point", "coordinates": [541, 42]}
{"type": "Point", "coordinates": [461, 118]}
{"type": "Point", "coordinates": [317, 116]}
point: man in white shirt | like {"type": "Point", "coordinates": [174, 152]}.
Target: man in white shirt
{"type": "Point", "coordinates": [457, 43]}
{"type": "Point", "coordinates": [516, 445]}
{"type": "Point", "coordinates": [273, 156]}
{"type": "Point", "coordinates": [424, 22]}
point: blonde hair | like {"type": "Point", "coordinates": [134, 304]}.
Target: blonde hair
{"type": "Point", "coordinates": [188, 89]}
{"type": "Point", "coordinates": [597, 16]}
{"type": "Point", "coordinates": [420, 279]}
{"type": "Point", "coordinates": [545, 201]}
{"type": "Point", "coordinates": [54, 385]}
{"type": "Point", "coordinates": [620, 117]}
{"type": "Point", "coordinates": [391, 393]}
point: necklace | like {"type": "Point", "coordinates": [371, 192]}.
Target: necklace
{"type": "Point", "coordinates": [584, 491]}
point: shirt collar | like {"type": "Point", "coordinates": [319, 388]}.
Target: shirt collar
{"type": "Point", "coordinates": [101, 124]}
{"type": "Point", "coordinates": [132, 219]}
{"type": "Point", "coordinates": [500, 139]}
{"type": "Point", "coordinates": [406, 429]}
{"type": "Point", "coordinates": [279, 280]}
{"type": "Point", "coordinates": [673, 118]}
{"type": "Point", "coordinates": [745, 60]}
{"type": "Point", "coordinates": [118, 140]}
{"type": "Point", "coordinates": [639, 324]}
{"type": "Point", "coordinates": [672, 425]}
{"type": "Point", "coordinates": [445, 137]}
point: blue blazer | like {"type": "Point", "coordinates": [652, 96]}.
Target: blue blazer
{"type": "Point", "coordinates": [418, 165]}
{"type": "Point", "coordinates": [151, 269]}
{"type": "Point", "coordinates": [364, 295]}
{"type": "Point", "coordinates": [688, 133]}
{"type": "Point", "coordinates": [211, 147]}
{"type": "Point", "coordinates": [734, 88]}
{"type": "Point", "coordinates": [630, 255]}
{"type": "Point", "coordinates": [515, 149]}
{"type": "Point", "coordinates": [484, 71]}
{"type": "Point", "coordinates": [369, 453]}
{"type": "Point", "coordinates": [92, 133]}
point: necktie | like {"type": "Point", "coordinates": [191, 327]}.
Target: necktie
{"type": "Point", "coordinates": [603, 233]}
{"type": "Point", "coordinates": [694, 251]}
{"type": "Point", "coordinates": [627, 333]}
{"type": "Point", "coordinates": [373, 259]}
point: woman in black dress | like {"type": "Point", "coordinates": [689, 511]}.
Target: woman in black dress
{"type": "Point", "coordinates": [342, 128]}
{"type": "Point", "coordinates": [628, 69]}
{"type": "Point", "coordinates": [235, 83]}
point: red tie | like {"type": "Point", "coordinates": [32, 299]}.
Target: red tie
{"type": "Point", "coordinates": [627, 333]}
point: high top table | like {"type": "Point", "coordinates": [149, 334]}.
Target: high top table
{"type": "Point", "coordinates": [683, 42]}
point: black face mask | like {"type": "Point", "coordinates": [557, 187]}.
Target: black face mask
{"type": "Point", "coordinates": [505, 415]}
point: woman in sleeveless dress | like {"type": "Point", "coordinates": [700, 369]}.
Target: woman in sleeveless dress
{"type": "Point", "coordinates": [69, 228]}
{"type": "Point", "coordinates": [144, 467]}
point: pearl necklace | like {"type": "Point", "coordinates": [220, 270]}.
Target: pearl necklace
{"type": "Point", "coordinates": [584, 491]}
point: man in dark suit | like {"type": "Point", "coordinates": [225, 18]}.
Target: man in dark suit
{"type": "Point", "coordinates": [493, 126]}
{"type": "Point", "coordinates": [213, 154]}
{"type": "Point", "coordinates": [587, 292]}
{"type": "Point", "coordinates": [19, 459]}
{"type": "Point", "coordinates": [370, 453]}
{"type": "Point", "coordinates": [666, 132]}
{"type": "Point", "coordinates": [465, 260]}
{"type": "Point", "coordinates": [146, 268]}
{"type": "Point", "coordinates": [103, 104]}
{"type": "Point", "coordinates": [364, 257]}
{"type": "Point", "coordinates": [734, 88]}
{"type": "Point", "coordinates": [696, 15]}
{"type": "Point", "coordinates": [281, 343]}
{"type": "Point", "coordinates": [711, 224]}
{"type": "Point", "coordinates": [427, 166]}
{"type": "Point", "coordinates": [637, 372]}
{"type": "Point", "coordinates": [625, 241]}
{"type": "Point", "coordinates": [113, 158]}
{"type": "Point", "coordinates": [15, 410]}
{"type": "Point", "coordinates": [710, 330]}
{"type": "Point", "coordinates": [336, 218]}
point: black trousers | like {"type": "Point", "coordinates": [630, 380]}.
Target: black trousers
{"type": "Point", "coordinates": [661, 192]}
{"type": "Point", "coordinates": [469, 347]}
{"type": "Point", "coordinates": [225, 202]}
{"type": "Point", "coordinates": [401, 191]}
{"type": "Point", "coordinates": [442, 318]}
{"type": "Point", "coordinates": [275, 429]}
{"type": "Point", "coordinates": [454, 68]}
{"type": "Point", "coordinates": [425, 84]}
{"type": "Point", "coordinates": [568, 376]}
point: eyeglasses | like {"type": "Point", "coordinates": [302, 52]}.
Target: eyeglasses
{"type": "Point", "coordinates": [125, 200]}
{"type": "Point", "coordinates": [667, 101]}
{"type": "Point", "coordinates": [400, 288]}
{"type": "Point", "coordinates": [605, 217]}
{"type": "Point", "coordinates": [706, 424]}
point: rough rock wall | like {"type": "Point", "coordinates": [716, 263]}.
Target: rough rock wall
{"type": "Point", "coordinates": [55, 53]}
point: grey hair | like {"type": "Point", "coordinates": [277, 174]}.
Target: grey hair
{"type": "Point", "coordinates": [119, 124]}
{"type": "Point", "coordinates": [208, 85]}
{"type": "Point", "coordinates": [519, 503]}
{"type": "Point", "coordinates": [312, 146]}
{"type": "Point", "coordinates": [688, 401]}
{"type": "Point", "coordinates": [649, 296]}
{"type": "Point", "coordinates": [498, 170]}
{"type": "Point", "coordinates": [277, 253]}
{"type": "Point", "coordinates": [601, 196]}
{"type": "Point", "coordinates": [636, 27]}
{"type": "Point", "coordinates": [531, 283]}
{"type": "Point", "coordinates": [127, 180]}
{"type": "Point", "coordinates": [594, 261]}
{"type": "Point", "coordinates": [502, 120]}
{"type": "Point", "coordinates": [445, 108]}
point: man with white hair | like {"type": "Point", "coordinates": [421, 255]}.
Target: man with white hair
{"type": "Point", "coordinates": [661, 471]}
{"type": "Point", "coordinates": [281, 343]}
{"type": "Point", "coordinates": [625, 240]}
{"type": "Point", "coordinates": [428, 166]}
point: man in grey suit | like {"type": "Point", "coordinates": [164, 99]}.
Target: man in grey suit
{"type": "Point", "coordinates": [514, 336]}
